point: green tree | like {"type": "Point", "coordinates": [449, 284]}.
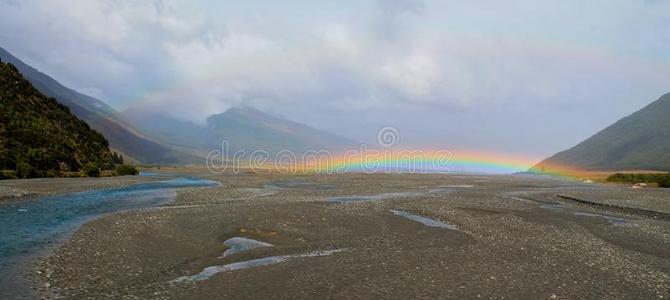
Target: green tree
{"type": "Point", "coordinates": [25, 170]}
{"type": "Point", "coordinates": [665, 181]}
{"type": "Point", "coordinates": [91, 170]}
{"type": "Point", "coordinates": [123, 170]}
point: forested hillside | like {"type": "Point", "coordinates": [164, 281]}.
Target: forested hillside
{"type": "Point", "coordinates": [40, 137]}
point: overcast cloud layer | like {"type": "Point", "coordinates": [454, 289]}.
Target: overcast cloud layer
{"type": "Point", "coordinates": [526, 77]}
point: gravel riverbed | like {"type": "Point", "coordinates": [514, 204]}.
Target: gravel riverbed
{"type": "Point", "coordinates": [514, 239]}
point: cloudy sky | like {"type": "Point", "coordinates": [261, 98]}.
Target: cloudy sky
{"type": "Point", "coordinates": [521, 76]}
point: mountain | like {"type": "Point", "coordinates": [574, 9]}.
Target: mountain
{"type": "Point", "coordinates": [640, 141]}
{"type": "Point", "coordinates": [122, 136]}
{"type": "Point", "coordinates": [250, 129]}
{"type": "Point", "coordinates": [180, 134]}
{"type": "Point", "coordinates": [244, 128]}
{"type": "Point", "coordinates": [39, 136]}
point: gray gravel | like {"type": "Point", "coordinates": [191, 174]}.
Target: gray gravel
{"type": "Point", "coordinates": [507, 245]}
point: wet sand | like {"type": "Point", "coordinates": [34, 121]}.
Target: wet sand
{"type": "Point", "coordinates": [507, 237]}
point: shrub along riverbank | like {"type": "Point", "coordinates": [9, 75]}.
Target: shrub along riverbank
{"type": "Point", "coordinates": [89, 170]}
{"type": "Point", "coordinates": [662, 179]}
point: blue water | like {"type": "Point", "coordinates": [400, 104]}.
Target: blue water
{"type": "Point", "coordinates": [563, 209]}
{"type": "Point", "coordinates": [28, 227]}
{"type": "Point", "coordinates": [299, 184]}
{"type": "Point", "coordinates": [240, 244]}
{"type": "Point", "coordinates": [254, 263]}
{"type": "Point", "coordinates": [370, 198]}
{"type": "Point", "coordinates": [423, 220]}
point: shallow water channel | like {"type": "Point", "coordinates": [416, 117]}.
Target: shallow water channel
{"type": "Point", "coordinates": [29, 228]}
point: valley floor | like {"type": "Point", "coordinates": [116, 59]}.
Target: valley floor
{"type": "Point", "coordinates": [375, 236]}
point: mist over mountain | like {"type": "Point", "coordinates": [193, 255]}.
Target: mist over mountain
{"type": "Point", "coordinates": [248, 129]}
{"type": "Point", "coordinates": [640, 141]}
{"type": "Point", "coordinates": [176, 133]}
{"type": "Point", "coordinates": [242, 128]}
{"type": "Point", "coordinates": [122, 136]}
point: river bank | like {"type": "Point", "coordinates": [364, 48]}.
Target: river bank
{"type": "Point", "coordinates": [370, 236]}
{"type": "Point", "coordinates": [32, 227]}
{"type": "Point", "coordinates": [24, 189]}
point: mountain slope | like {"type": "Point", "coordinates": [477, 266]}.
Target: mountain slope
{"type": "Point", "coordinates": [244, 128]}
{"type": "Point", "coordinates": [640, 141]}
{"type": "Point", "coordinates": [180, 134]}
{"type": "Point", "coordinates": [250, 129]}
{"type": "Point", "coordinates": [100, 116]}
{"type": "Point", "coordinates": [39, 136]}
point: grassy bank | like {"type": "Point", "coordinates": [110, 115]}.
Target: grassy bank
{"type": "Point", "coordinates": [90, 170]}
{"type": "Point", "coordinates": [661, 179]}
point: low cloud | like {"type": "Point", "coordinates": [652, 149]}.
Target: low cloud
{"type": "Point", "coordinates": [474, 74]}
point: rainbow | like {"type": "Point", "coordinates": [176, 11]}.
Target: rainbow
{"type": "Point", "coordinates": [426, 161]}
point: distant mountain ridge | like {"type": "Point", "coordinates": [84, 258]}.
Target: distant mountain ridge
{"type": "Point", "coordinates": [243, 128]}
{"type": "Point", "coordinates": [640, 141]}
{"type": "Point", "coordinates": [247, 128]}
{"type": "Point", "coordinates": [39, 136]}
{"type": "Point", "coordinates": [121, 134]}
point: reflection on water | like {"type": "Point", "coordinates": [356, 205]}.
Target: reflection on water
{"type": "Point", "coordinates": [239, 244]}
{"type": "Point", "coordinates": [211, 271]}
{"type": "Point", "coordinates": [423, 220]}
{"type": "Point", "coordinates": [28, 227]}
{"type": "Point", "coordinates": [558, 208]}
{"type": "Point", "coordinates": [458, 186]}
{"type": "Point", "coordinates": [436, 191]}
{"type": "Point", "coordinates": [563, 209]}
{"type": "Point", "coordinates": [352, 199]}
{"type": "Point", "coordinates": [145, 173]}
{"type": "Point", "coordinates": [299, 184]}
{"type": "Point", "coordinates": [441, 191]}
{"type": "Point", "coordinates": [259, 192]}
